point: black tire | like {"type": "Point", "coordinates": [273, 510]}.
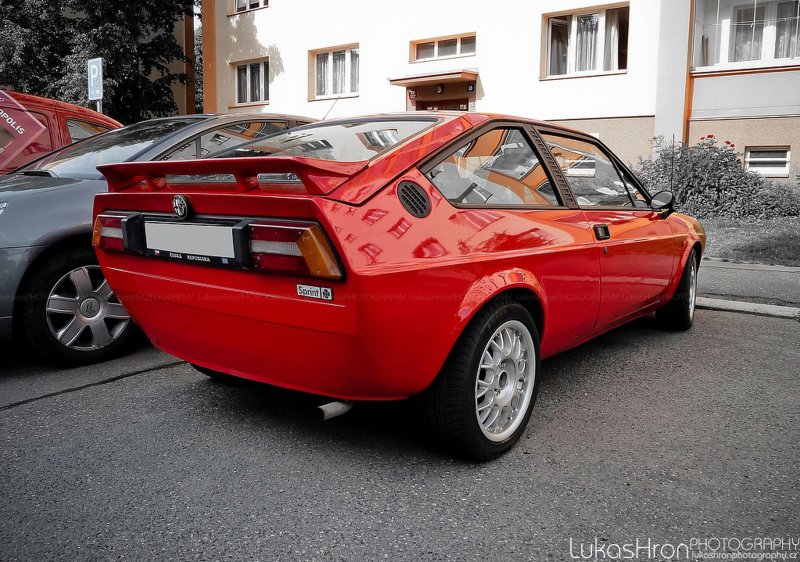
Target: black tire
{"type": "Point", "coordinates": [217, 376]}
{"type": "Point", "coordinates": [450, 404]}
{"type": "Point", "coordinates": [37, 329]}
{"type": "Point", "coordinates": [678, 313]}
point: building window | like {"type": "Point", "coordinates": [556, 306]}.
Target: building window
{"type": "Point", "coordinates": [590, 42]}
{"type": "Point", "coordinates": [244, 5]}
{"type": "Point", "coordinates": [443, 48]}
{"type": "Point", "coordinates": [336, 72]}
{"type": "Point", "coordinates": [768, 161]}
{"type": "Point", "coordinates": [745, 31]}
{"type": "Point", "coordinates": [252, 82]}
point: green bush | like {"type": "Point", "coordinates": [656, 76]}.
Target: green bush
{"type": "Point", "coordinates": [710, 181]}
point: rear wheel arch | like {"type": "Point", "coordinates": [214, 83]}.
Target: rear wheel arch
{"type": "Point", "coordinates": [528, 298]}
{"type": "Point", "coordinates": [68, 243]}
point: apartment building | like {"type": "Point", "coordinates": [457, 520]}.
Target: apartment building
{"type": "Point", "coordinates": [624, 71]}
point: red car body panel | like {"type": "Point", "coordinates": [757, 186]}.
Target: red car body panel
{"type": "Point", "coordinates": [411, 284]}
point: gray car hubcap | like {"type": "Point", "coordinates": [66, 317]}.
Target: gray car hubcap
{"type": "Point", "coordinates": [505, 379]}
{"type": "Point", "coordinates": [83, 312]}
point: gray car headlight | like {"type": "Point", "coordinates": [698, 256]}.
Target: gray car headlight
{"type": "Point", "coordinates": [3, 207]}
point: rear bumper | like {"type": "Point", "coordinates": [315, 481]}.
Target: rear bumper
{"type": "Point", "coordinates": [272, 337]}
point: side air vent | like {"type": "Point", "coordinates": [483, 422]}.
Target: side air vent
{"type": "Point", "coordinates": [414, 199]}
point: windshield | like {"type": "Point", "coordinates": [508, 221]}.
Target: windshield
{"type": "Point", "coordinates": [80, 160]}
{"type": "Point", "coordinates": [342, 141]}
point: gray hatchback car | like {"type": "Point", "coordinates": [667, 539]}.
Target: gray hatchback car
{"type": "Point", "coordinates": [53, 295]}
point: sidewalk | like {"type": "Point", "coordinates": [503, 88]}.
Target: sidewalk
{"type": "Point", "coordinates": [720, 282]}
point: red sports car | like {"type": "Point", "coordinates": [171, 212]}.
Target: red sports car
{"type": "Point", "coordinates": [438, 255]}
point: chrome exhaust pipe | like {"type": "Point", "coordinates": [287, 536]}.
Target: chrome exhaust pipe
{"type": "Point", "coordinates": [333, 409]}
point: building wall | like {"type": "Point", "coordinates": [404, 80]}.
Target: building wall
{"type": "Point", "coordinates": [509, 56]}
{"type": "Point", "coordinates": [631, 138]}
{"type": "Point", "coordinates": [184, 93]}
{"type": "Point", "coordinates": [744, 133]}
{"type": "Point", "coordinates": [659, 94]}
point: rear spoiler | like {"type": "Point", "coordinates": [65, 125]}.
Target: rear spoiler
{"type": "Point", "coordinates": [319, 177]}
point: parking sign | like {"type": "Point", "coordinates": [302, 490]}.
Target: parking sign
{"type": "Point", "coordinates": [95, 79]}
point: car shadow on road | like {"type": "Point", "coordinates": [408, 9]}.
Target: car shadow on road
{"type": "Point", "coordinates": [396, 428]}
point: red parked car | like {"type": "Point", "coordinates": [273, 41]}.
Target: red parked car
{"type": "Point", "coordinates": [59, 124]}
{"type": "Point", "coordinates": [433, 254]}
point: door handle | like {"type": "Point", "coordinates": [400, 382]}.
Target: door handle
{"type": "Point", "coordinates": [601, 232]}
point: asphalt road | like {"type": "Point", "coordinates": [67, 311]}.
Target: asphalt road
{"type": "Point", "coordinates": [639, 434]}
{"type": "Point", "coordinates": [765, 284]}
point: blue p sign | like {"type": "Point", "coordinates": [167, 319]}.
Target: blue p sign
{"type": "Point", "coordinates": [96, 79]}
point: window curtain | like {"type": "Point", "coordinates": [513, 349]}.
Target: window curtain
{"type": "Point", "coordinates": [611, 55]}
{"type": "Point", "coordinates": [559, 46]}
{"type": "Point", "coordinates": [241, 84]}
{"type": "Point", "coordinates": [322, 74]}
{"type": "Point", "coordinates": [255, 82]}
{"type": "Point", "coordinates": [354, 70]}
{"type": "Point", "coordinates": [338, 71]}
{"type": "Point", "coordinates": [587, 42]}
{"type": "Point", "coordinates": [748, 33]}
{"type": "Point", "coordinates": [786, 30]}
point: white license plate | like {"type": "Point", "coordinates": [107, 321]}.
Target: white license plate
{"type": "Point", "coordinates": [182, 241]}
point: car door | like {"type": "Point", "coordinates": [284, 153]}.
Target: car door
{"type": "Point", "coordinates": [638, 246]}
{"type": "Point", "coordinates": [508, 207]}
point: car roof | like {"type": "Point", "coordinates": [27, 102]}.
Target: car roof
{"type": "Point", "coordinates": [267, 116]}
{"type": "Point", "coordinates": [474, 118]}
{"type": "Point", "coordinates": [31, 102]}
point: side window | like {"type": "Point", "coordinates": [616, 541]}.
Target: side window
{"type": "Point", "coordinates": [497, 168]}
{"type": "Point", "coordinates": [225, 138]}
{"type": "Point", "coordinates": [79, 130]}
{"type": "Point", "coordinates": [591, 175]}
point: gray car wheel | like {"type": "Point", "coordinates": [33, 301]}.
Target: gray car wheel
{"type": "Point", "coordinates": [69, 314]}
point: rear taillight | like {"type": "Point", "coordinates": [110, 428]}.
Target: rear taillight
{"type": "Point", "coordinates": [295, 248]}
{"type": "Point", "coordinates": [107, 232]}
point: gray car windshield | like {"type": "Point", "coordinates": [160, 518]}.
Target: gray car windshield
{"type": "Point", "coordinates": [342, 141]}
{"type": "Point", "coordinates": [81, 160]}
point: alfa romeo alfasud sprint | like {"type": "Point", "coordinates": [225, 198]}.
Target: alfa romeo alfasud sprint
{"type": "Point", "coordinates": [433, 255]}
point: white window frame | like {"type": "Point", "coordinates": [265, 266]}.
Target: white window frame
{"type": "Point", "coordinates": [781, 171]}
{"type": "Point", "coordinates": [348, 57]}
{"type": "Point", "coordinates": [263, 86]}
{"type": "Point", "coordinates": [241, 6]}
{"type": "Point", "coordinates": [724, 50]}
{"type": "Point", "coordinates": [437, 40]}
{"type": "Point", "coordinates": [573, 42]}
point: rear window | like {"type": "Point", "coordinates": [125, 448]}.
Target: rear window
{"type": "Point", "coordinates": [341, 141]}
{"type": "Point", "coordinates": [120, 145]}
{"type": "Point", "coordinates": [79, 130]}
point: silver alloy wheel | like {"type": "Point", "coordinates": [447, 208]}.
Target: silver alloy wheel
{"type": "Point", "coordinates": [83, 313]}
{"type": "Point", "coordinates": [692, 286]}
{"type": "Point", "coordinates": [505, 380]}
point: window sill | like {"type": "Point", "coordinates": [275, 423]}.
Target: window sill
{"type": "Point", "coordinates": [777, 175]}
{"type": "Point", "coordinates": [334, 97]}
{"type": "Point", "coordinates": [245, 105]}
{"type": "Point", "coordinates": [746, 68]}
{"type": "Point", "coordinates": [431, 59]}
{"type": "Point", "coordinates": [247, 11]}
{"type": "Point", "coordinates": [583, 75]}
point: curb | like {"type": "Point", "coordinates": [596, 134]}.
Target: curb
{"type": "Point", "coordinates": [771, 310]}
{"type": "Point", "coordinates": [719, 263]}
